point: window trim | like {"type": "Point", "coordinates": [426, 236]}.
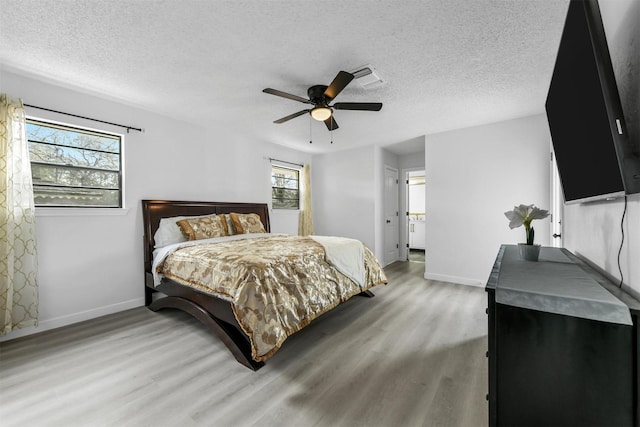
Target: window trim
{"type": "Point", "coordinates": [74, 211]}
{"type": "Point", "coordinates": [86, 210]}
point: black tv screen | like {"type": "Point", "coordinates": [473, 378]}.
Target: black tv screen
{"type": "Point", "coordinates": [584, 111]}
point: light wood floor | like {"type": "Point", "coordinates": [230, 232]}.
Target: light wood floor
{"type": "Point", "coordinates": [413, 355]}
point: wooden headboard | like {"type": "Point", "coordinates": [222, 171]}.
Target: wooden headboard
{"type": "Point", "coordinates": [154, 210]}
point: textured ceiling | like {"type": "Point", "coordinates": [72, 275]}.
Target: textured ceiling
{"type": "Point", "coordinates": [447, 64]}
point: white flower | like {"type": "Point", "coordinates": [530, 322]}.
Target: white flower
{"type": "Point", "coordinates": [524, 214]}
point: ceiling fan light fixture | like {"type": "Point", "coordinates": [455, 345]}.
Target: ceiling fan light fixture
{"type": "Point", "coordinates": [321, 113]}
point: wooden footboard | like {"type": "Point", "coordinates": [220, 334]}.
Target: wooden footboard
{"type": "Point", "coordinates": [367, 294]}
{"type": "Point", "coordinates": [202, 306]}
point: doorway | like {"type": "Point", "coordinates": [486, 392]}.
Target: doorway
{"type": "Point", "coordinates": [416, 216]}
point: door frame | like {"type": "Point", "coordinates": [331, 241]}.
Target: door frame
{"type": "Point", "coordinates": [397, 210]}
{"type": "Point", "coordinates": [557, 204]}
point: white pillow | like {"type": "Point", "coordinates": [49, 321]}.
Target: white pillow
{"type": "Point", "coordinates": [169, 233]}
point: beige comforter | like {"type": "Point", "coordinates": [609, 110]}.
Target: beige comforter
{"type": "Point", "coordinates": [277, 284]}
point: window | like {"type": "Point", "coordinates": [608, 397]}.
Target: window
{"type": "Point", "coordinates": [285, 188]}
{"type": "Point", "coordinates": [74, 167]}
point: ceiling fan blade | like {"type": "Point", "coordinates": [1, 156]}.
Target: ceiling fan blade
{"type": "Point", "coordinates": [286, 95]}
{"type": "Point", "coordinates": [362, 106]}
{"type": "Point", "coordinates": [339, 82]}
{"type": "Point", "coordinates": [291, 116]}
{"type": "Point", "coordinates": [331, 123]}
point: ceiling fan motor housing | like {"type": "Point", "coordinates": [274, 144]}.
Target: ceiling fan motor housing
{"type": "Point", "coordinates": [316, 95]}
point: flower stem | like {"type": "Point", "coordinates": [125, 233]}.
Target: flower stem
{"type": "Point", "coordinates": [530, 235]}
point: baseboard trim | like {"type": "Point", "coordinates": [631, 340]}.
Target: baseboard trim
{"type": "Point", "coordinates": [454, 279]}
{"type": "Point", "coordinates": [58, 322]}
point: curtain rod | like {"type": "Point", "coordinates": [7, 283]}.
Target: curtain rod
{"type": "Point", "coordinates": [128, 128]}
{"type": "Point", "coordinates": [271, 159]}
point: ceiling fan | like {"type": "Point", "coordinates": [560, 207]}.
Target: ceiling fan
{"type": "Point", "coordinates": [320, 96]}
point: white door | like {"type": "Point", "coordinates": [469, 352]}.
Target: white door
{"type": "Point", "coordinates": [557, 205]}
{"type": "Point", "coordinates": [391, 230]}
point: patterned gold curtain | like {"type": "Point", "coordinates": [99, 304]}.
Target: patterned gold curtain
{"type": "Point", "coordinates": [305, 224]}
{"type": "Point", "coordinates": [18, 259]}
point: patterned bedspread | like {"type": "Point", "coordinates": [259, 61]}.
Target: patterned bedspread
{"type": "Point", "coordinates": [277, 284]}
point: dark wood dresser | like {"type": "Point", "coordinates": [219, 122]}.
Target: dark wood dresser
{"type": "Point", "coordinates": [563, 344]}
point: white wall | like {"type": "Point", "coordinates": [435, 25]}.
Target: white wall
{"type": "Point", "coordinates": [473, 176]}
{"type": "Point", "coordinates": [344, 194]}
{"type": "Point", "coordinates": [417, 196]}
{"type": "Point", "coordinates": [91, 263]}
{"type": "Point", "coordinates": [593, 230]}
{"type": "Point", "coordinates": [348, 194]}
{"type": "Point", "coordinates": [413, 161]}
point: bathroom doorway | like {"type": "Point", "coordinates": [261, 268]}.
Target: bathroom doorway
{"type": "Point", "coordinates": [416, 216]}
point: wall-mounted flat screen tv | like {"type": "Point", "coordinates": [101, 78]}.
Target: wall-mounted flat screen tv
{"type": "Point", "coordinates": [594, 158]}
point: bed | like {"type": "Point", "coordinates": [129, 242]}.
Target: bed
{"type": "Point", "coordinates": [251, 289]}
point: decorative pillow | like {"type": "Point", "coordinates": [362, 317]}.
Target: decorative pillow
{"type": "Point", "coordinates": [229, 225]}
{"type": "Point", "coordinates": [168, 231]}
{"type": "Point", "coordinates": [204, 227]}
{"type": "Point", "coordinates": [247, 223]}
